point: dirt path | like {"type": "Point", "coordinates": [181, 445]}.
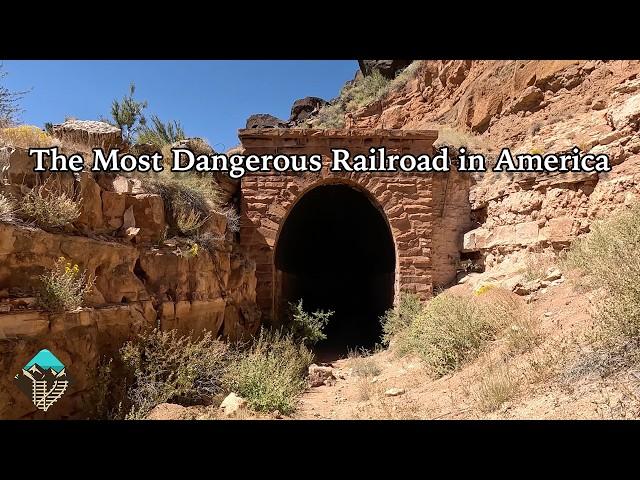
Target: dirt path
{"type": "Point", "coordinates": [543, 383]}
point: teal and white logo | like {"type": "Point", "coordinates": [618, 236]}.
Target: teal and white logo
{"type": "Point", "coordinates": [43, 379]}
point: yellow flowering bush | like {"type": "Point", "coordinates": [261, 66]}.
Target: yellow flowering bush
{"type": "Point", "coordinates": [64, 287]}
{"type": "Point", "coordinates": [26, 136]}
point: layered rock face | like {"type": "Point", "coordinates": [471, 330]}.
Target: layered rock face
{"type": "Point", "coordinates": [530, 107]}
{"type": "Point", "coordinates": [142, 280]}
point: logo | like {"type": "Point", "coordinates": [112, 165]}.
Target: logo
{"type": "Point", "coordinates": [43, 379]}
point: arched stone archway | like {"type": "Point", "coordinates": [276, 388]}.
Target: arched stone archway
{"type": "Point", "coordinates": [335, 251]}
{"type": "Point", "coordinates": [425, 213]}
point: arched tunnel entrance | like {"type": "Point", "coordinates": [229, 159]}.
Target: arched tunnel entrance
{"type": "Point", "coordinates": [335, 251]}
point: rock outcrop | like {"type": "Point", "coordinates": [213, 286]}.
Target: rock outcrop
{"type": "Point", "coordinates": [305, 108]}
{"type": "Point", "coordinates": [387, 68]}
{"type": "Point", "coordinates": [91, 134]}
{"type": "Point", "coordinates": [264, 120]}
{"type": "Point", "coordinates": [142, 279]}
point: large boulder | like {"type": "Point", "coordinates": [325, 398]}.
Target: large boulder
{"type": "Point", "coordinates": [387, 68]}
{"type": "Point", "coordinates": [305, 108]}
{"type": "Point", "coordinates": [264, 120]}
{"type": "Point", "coordinates": [91, 133]}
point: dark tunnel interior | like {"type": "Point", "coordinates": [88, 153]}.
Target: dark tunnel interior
{"type": "Point", "coordinates": [336, 252]}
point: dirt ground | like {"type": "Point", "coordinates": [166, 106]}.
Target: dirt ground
{"type": "Point", "coordinates": [551, 381]}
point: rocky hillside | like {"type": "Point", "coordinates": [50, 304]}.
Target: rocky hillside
{"type": "Point", "coordinates": [123, 233]}
{"type": "Point", "coordinates": [530, 107]}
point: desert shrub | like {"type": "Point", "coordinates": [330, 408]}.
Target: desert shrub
{"type": "Point", "coordinates": [208, 241]}
{"type": "Point", "coordinates": [331, 116]}
{"type": "Point", "coordinates": [271, 372]}
{"type": "Point", "coordinates": [449, 331]}
{"type": "Point", "coordinates": [64, 287]}
{"type": "Point", "coordinates": [26, 136]}
{"type": "Point", "coordinates": [189, 220]}
{"type": "Point", "coordinates": [50, 207]}
{"type": "Point", "coordinates": [538, 264]}
{"type": "Point", "coordinates": [307, 327]}
{"type": "Point", "coordinates": [362, 364]}
{"type": "Point", "coordinates": [166, 367]}
{"type": "Point", "coordinates": [496, 386]}
{"type": "Point", "coordinates": [609, 256]}
{"type": "Point", "coordinates": [160, 133]}
{"type": "Point", "coordinates": [396, 319]}
{"type": "Point", "coordinates": [364, 91]}
{"type": "Point", "coordinates": [7, 210]}
{"type": "Point", "coordinates": [233, 219]}
{"type": "Point", "coordinates": [455, 139]}
{"type": "Point", "coordinates": [405, 75]}
{"type": "Point", "coordinates": [189, 199]}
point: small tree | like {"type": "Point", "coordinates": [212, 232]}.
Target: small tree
{"type": "Point", "coordinates": [9, 103]}
{"type": "Point", "coordinates": [160, 133]}
{"type": "Point", "coordinates": [128, 114]}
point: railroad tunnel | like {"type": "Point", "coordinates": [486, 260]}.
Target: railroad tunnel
{"type": "Point", "coordinates": [335, 251]}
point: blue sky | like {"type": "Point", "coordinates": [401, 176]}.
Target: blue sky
{"type": "Point", "coordinates": [212, 99]}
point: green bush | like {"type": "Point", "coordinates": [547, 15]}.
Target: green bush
{"type": "Point", "coordinates": [159, 133]}
{"type": "Point", "coordinates": [448, 332]}
{"type": "Point", "coordinates": [396, 319]}
{"type": "Point", "coordinates": [64, 287]}
{"type": "Point", "coordinates": [271, 373]}
{"type": "Point", "coordinates": [307, 327]}
{"type": "Point", "coordinates": [166, 367]}
{"type": "Point", "coordinates": [609, 257]}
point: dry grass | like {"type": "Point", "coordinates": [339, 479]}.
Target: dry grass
{"type": "Point", "coordinates": [189, 221]}
{"type": "Point", "coordinates": [361, 93]}
{"type": "Point", "coordinates": [7, 210]}
{"type": "Point", "coordinates": [50, 206]}
{"type": "Point", "coordinates": [538, 263]}
{"type": "Point", "coordinates": [455, 139]}
{"type": "Point", "coordinates": [496, 387]}
{"type": "Point", "coordinates": [190, 199]}
{"type": "Point", "coordinates": [523, 333]}
{"type": "Point", "coordinates": [362, 364]}
{"type": "Point", "coordinates": [366, 390]}
{"type": "Point", "coordinates": [26, 136]}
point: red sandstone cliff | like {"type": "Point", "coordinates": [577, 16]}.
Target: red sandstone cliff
{"type": "Point", "coordinates": [530, 107]}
